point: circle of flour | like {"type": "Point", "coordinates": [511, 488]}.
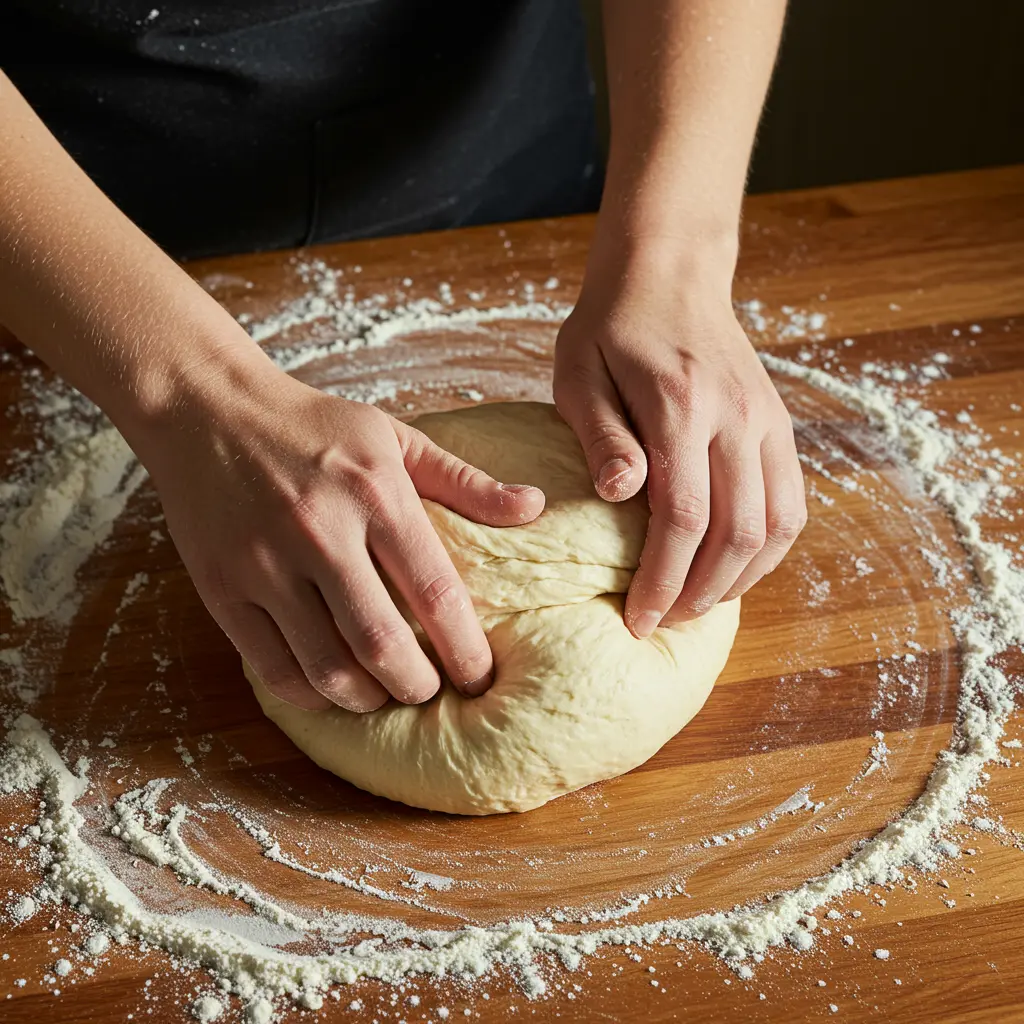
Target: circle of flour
{"type": "Point", "coordinates": [576, 697]}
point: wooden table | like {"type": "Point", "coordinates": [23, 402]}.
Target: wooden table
{"type": "Point", "coordinates": [896, 266]}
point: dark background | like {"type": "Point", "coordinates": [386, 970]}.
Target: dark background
{"type": "Point", "coordinates": [881, 88]}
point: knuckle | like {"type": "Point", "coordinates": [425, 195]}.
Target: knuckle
{"type": "Point", "coordinates": [603, 437]}
{"type": "Point", "coordinates": [312, 524]}
{"type": "Point", "coordinates": [786, 527]}
{"type": "Point", "coordinates": [231, 578]}
{"type": "Point", "coordinates": [332, 461]}
{"type": "Point", "coordinates": [674, 409]}
{"type": "Point", "coordinates": [677, 392]}
{"type": "Point", "coordinates": [465, 476]}
{"type": "Point", "coordinates": [380, 641]}
{"type": "Point", "coordinates": [441, 595]}
{"type": "Point", "coordinates": [216, 585]}
{"type": "Point", "coordinates": [746, 536]}
{"type": "Point", "coordinates": [371, 489]}
{"type": "Point", "coordinates": [687, 514]}
{"type": "Point", "coordinates": [673, 387]}
{"type": "Point", "coordinates": [741, 403]}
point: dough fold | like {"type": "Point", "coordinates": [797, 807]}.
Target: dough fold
{"type": "Point", "coordinates": [576, 698]}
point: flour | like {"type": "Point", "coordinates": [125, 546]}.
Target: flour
{"type": "Point", "coordinates": [790, 323]}
{"type": "Point", "coordinates": [65, 503]}
{"type": "Point", "coordinates": [23, 909]}
{"type": "Point", "coordinates": [440, 883]}
{"type": "Point", "coordinates": [374, 321]}
{"type": "Point", "coordinates": [96, 945]}
{"type": "Point", "coordinates": [207, 1009]}
{"type": "Point", "coordinates": [878, 758]}
{"type": "Point", "coordinates": [62, 506]}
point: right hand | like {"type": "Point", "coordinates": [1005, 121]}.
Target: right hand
{"type": "Point", "coordinates": [287, 504]}
{"type": "Point", "coordinates": [282, 501]}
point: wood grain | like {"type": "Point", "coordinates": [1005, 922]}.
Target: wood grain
{"type": "Point", "coordinates": [897, 266]}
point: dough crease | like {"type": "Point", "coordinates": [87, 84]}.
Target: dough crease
{"type": "Point", "coordinates": [576, 698]}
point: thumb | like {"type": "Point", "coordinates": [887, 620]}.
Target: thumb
{"type": "Point", "coordinates": [442, 477]}
{"type": "Point", "coordinates": [587, 400]}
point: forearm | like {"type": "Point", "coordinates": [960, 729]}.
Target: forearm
{"type": "Point", "coordinates": [89, 293]}
{"type": "Point", "coordinates": [687, 81]}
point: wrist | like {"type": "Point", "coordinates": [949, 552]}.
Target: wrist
{"type": "Point", "coordinates": [202, 381]}
{"type": "Point", "coordinates": [684, 256]}
{"type": "Point", "coordinates": [659, 190]}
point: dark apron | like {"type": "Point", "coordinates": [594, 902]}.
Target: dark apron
{"type": "Point", "coordinates": [256, 124]}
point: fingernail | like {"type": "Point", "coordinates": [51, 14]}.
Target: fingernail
{"type": "Point", "coordinates": [645, 624]}
{"type": "Point", "coordinates": [518, 488]}
{"type": "Point", "coordinates": [477, 686]}
{"type": "Point", "coordinates": [613, 475]}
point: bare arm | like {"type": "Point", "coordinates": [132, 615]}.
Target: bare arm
{"type": "Point", "coordinates": [687, 80]}
{"type": "Point", "coordinates": [281, 500]}
{"type": "Point", "coordinates": [652, 369]}
{"type": "Point", "coordinates": [89, 293]}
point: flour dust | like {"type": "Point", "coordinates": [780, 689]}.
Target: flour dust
{"type": "Point", "coordinates": [67, 490]}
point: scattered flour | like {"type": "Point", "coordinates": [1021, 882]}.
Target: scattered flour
{"type": "Point", "coordinates": [371, 322]}
{"type": "Point", "coordinates": [440, 883]}
{"type": "Point", "coordinates": [23, 909]}
{"type": "Point", "coordinates": [67, 505]}
{"type": "Point", "coordinates": [207, 1009]}
{"type": "Point", "coordinates": [58, 510]}
{"type": "Point", "coordinates": [96, 944]}
{"type": "Point", "coordinates": [83, 485]}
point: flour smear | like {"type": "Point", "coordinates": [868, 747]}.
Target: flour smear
{"type": "Point", "coordinates": [62, 502]}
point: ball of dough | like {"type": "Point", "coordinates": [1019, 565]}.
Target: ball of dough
{"type": "Point", "coordinates": [576, 697]}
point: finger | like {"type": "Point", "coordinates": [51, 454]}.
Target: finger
{"type": "Point", "coordinates": [260, 642]}
{"type": "Point", "coordinates": [312, 634]}
{"type": "Point", "coordinates": [785, 505]}
{"type": "Point", "coordinates": [586, 398]}
{"type": "Point", "coordinates": [442, 477]}
{"type": "Point", "coordinates": [414, 558]}
{"type": "Point", "coordinates": [381, 640]}
{"type": "Point", "coordinates": [736, 533]}
{"type": "Point", "coordinates": [678, 491]}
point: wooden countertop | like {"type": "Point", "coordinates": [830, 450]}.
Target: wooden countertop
{"type": "Point", "coordinates": [898, 267]}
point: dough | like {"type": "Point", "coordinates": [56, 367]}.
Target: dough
{"type": "Point", "coordinates": [576, 698]}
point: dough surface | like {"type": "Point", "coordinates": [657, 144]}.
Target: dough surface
{"type": "Point", "coordinates": [576, 698]}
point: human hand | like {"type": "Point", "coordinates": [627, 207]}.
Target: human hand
{"type": "Point", "coordinates": [286, 506]}
{"type": "Point", "coordinates": [282, 501]}
{"type": "Point", "coordinates": [658, 380]}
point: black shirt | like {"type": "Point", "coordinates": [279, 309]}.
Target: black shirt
{"type": "Point", "coordinates": [250, 124]}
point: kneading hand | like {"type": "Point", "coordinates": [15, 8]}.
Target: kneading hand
{"type": "Point", "coordinates": [659, 382]}
{"type": "Point", "coordinates": [287, 505]}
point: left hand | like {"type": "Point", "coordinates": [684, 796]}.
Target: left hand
{"type": "Point", "coordinates": [658, 380]}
